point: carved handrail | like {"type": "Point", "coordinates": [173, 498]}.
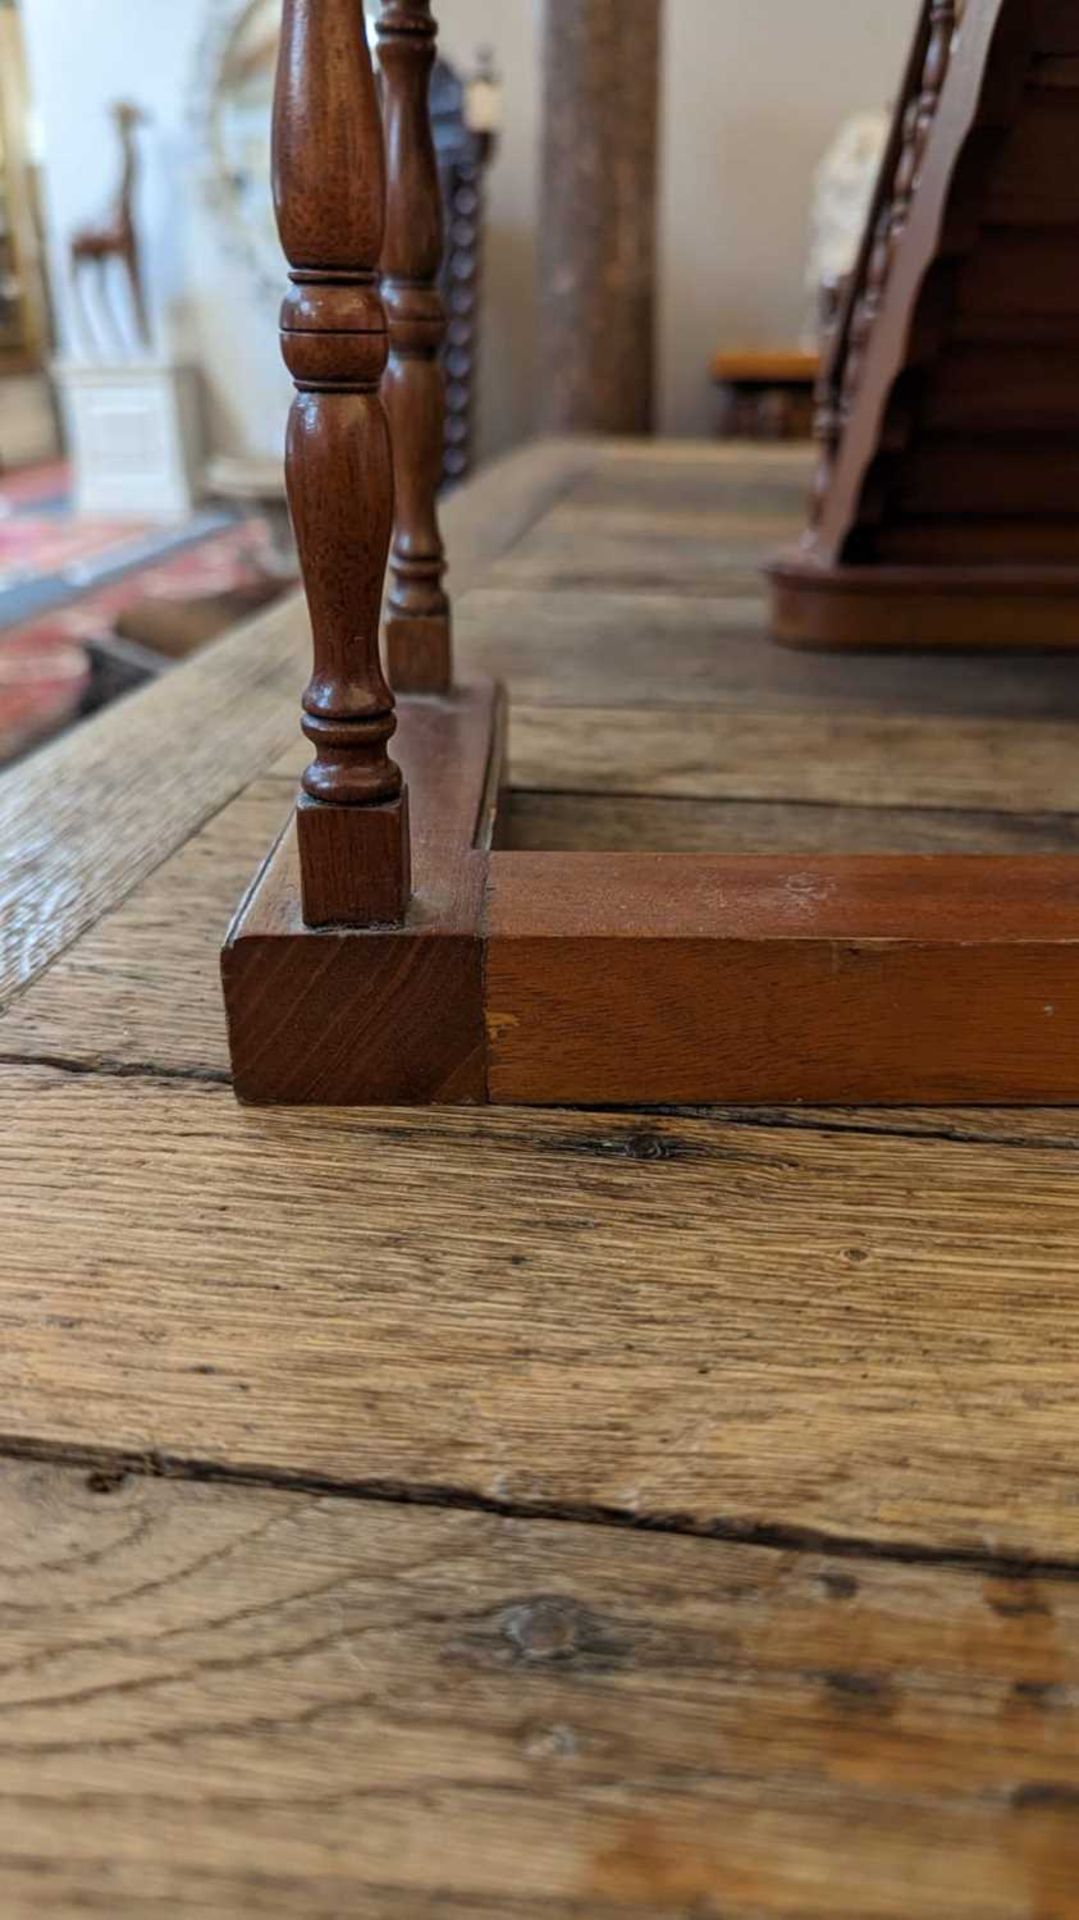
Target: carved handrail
{"type": "Point", "coordinates": [890, 206]}
{"type": "Point", "coordinates": [329, 196]}
{"type": "Point", "coordinates": [418, 612]}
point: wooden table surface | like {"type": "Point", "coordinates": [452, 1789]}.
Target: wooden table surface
{"type": "Point", "coordinates": [531, 1515]}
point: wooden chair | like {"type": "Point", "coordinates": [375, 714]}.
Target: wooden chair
{"type": "Point", "coordinates": [385, 952]}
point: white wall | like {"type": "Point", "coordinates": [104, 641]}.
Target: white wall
{"type": "Point", "coordinates": [753, 92]}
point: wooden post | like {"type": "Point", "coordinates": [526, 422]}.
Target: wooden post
{"type": "Point", "coordinates": [329, 193]}
{"type": "Point", "coordinates": [418, 644]}
{"type": "Point", "coordinates": [598, 215]}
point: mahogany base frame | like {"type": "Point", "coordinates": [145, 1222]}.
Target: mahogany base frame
{"type": "Point", "coordinates": [652, 979]}
{"type": "Point", "coordinates": [938, 609]}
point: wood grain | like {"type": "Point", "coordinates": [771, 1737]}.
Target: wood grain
{"type": "Point", "coordinates": [666, 979]}
{"type": "Point", "coordinates": [780, 753]}
{"type": "Point", "coordinates": [866, 1336]}
{"type": "Point", "coordinates": [267, 1703]}
{"type": "Point", "coordinates": [649, 648]}
{"type": "Point", "coordinates": [143, 987]}
{"type": "Point", "coordinates": [540, 822]}
{"type": "Point", "coordinates": [82, 822]}
{"type": "Point", "coordinates": [854, 759]}
{"type": "Point", "coordinates": [574, 645]}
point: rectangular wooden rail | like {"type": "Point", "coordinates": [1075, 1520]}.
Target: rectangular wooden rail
{"type": "Point", "coordinates": [630, 979]}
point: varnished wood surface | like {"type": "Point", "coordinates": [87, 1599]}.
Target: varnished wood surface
{"type": "Point", "coordinates": [346, 1019]}
{"type": "Point", "coordinates": [832, 1356]}
{"type": "Point", "coordinates": [696, 978]}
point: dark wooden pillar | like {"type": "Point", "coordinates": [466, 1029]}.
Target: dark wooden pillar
{"type": "Point", "coordinates": [598, 214]}
{"type": "Point", "coordinates": [330, 196]}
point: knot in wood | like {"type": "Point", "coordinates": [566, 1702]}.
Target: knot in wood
{"type": "Point", "coordinates": [555, 1630]}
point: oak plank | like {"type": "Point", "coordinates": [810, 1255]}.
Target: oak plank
{"type": "Point", "coordinates": [775, 753]}
{"type": "Point", "coordinates": [86, 819]}
{"type": "Point", "coordinates": [539, 822]}
{"type": "Point", "coordinates": [581, 646]}
{"type": "Point", "coordinates": [840, 758]}
{"type": "Point", "coordinates": [683, 553]}
{"type": "Point", "coordinates": [223, 1701]}
{"type": "Point", "coordinates": [143, 986]}
{"type": "Point", "coordinates": [864, 1335]}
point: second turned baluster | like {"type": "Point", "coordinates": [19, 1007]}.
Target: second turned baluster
{"type": "Point", "coordinates": [418, 637]}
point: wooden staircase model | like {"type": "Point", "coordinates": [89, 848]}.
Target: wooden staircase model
{"type": "Point", "coordinates": [386, 952]}
{"type": "Point", "coordinates": [946, 512]}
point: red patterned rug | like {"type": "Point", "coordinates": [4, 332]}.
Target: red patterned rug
{"type": "Point", "coordinates": [51, 661]}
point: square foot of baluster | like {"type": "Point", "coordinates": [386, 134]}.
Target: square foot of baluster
{"type": "Point", "coordinates": [385, 1015]}
{"type": "Point", "coordinates": [355, 863]}
{"type": "Point", "coordinates": [418, 654]}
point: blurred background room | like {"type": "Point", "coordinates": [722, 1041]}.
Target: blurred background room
{"type": "Point", "coordinates": [142, 397]}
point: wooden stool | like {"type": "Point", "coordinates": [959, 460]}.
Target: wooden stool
{"type": "Point", "coordinates": [766, 396]}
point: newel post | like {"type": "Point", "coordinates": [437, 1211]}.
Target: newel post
{"type": "Point", "coordinates": [329, 194]}
{"type": "Point", "coordinates": [418, 642]}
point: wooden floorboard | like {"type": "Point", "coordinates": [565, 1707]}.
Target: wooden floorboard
{"type": "Point", "coordinates": [218, 1702]}
{"type": "Point", "coordinates": [811, 758]}
{"type": "Point", "coordinates": [1011, 766]}
{"type": "Point", "coordinates": [543, 822]}
{"type": "Point", "coordinates": [584, 646]}
{"type": "Point", "coordinates": [868, 1337]}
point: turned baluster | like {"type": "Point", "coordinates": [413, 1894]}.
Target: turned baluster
{"type": "Point", "coordinates": [418, 640]}
{"type": "Point", "coordinates": [918, 122]}
{"type": "Point", "coordinates": [329, 194]}
{"type": "Point", "coordinates": [868, 305]}
{"type": "Point", "coordinates": [921, 113]}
